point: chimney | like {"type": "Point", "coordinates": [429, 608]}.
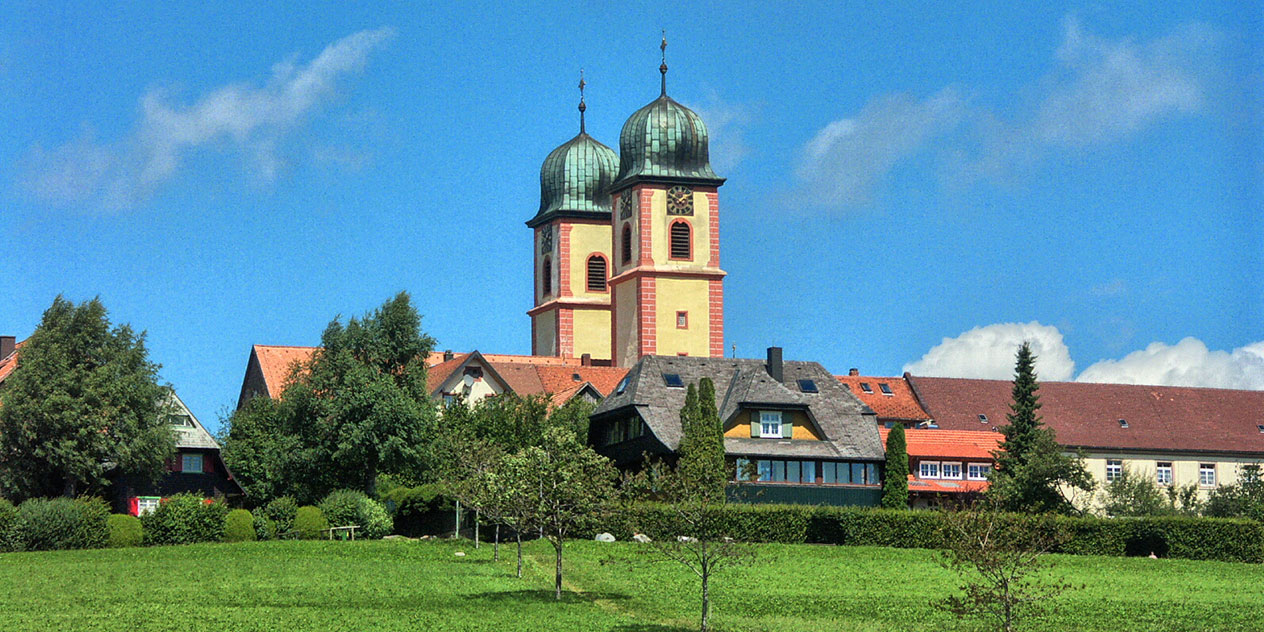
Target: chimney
{"type": "Point", "coordinates": [585, 360]}
{"type": "Point", "coordinates": [774, 363]}
{"type": "Point", "coordinates": [447, 355]}
{"type": "Point", "coordinates": [7, 345]}
{"type": "Point", "coordinates": [853, 371]}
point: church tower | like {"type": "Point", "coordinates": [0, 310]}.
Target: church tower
{"type": "Point", "coordinates": [666, 285]}
{"type": "Point", "coordinates": [571, 316]}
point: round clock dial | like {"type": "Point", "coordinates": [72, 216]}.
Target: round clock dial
{"type": "Point", "coordinates": [680, 201]}
{"type": "Point", "coordinates": [625, 205]}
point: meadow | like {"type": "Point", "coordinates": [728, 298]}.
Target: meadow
{"type": "Point", "coordinates": [424, 585]}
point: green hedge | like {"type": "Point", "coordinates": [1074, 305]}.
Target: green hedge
{"type": "Point", "coordinates": [1230, 540]}
{"type": "Point", "coordinates": [309, 522]}
{"type": "Point", "coordinates": [47, 524]}
{"type": "Point", "coordinates": [185, 519]}
{"type": "Point", "coordinates": [9, 535]}
{"type": "Point", "coordinates": [418, 511]}
{"type": "Point", "coordinates": [125, 531]}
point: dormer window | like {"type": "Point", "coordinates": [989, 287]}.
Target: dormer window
{"type": "Point", "coordinates": [770, 424]}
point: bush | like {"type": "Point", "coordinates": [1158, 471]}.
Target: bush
{"type": "Point", "coordinates": [239, 526]}
{"type": "Point", "coordinates": [347, 507]}
{"type": "Point", "coordinates": [9, 538]}
{"type": "Point", "coordinates": [185, 519]}
{"type": "Point", "coordinates": [93, 531]}
{"type": "Point", "coordinates": [1229, 540]}
{"type": "Point", "coordinates": [281, 512]}
{"type": "Point", "coordinates": [265, 528]}
{"type": "Point", "coordinates": [418, 511]}
{"type": "Point", "coordinates": [309, 522]}
{"type": "Point", "coordinates": [125, 531]}
{"type": "Point", "coordinates": [49, 524]}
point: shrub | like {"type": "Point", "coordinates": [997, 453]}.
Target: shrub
{"type": "Point", "coordinates": [185, 519]}
{"type": "Point", "coordinates": [265, 528]}
{"type": "Point", "coordinates": [239, 526]}
{"type": "Point", "coordinates": [309, 522]}
{"type": "Point", "coordinates": [281, 512]}
{"type": "Point", "coordinates": [93, 531]}
{"type": "Point", "coordinates": [9, 539]}
{"type": "Point", "coordinates": [418, 511]}
{"type": "Point", "coordinates": [347, 507]}
{"type": "Point", "coordinates": [125, 531]}
{"type": "Point", "coordinates": [48, 524]}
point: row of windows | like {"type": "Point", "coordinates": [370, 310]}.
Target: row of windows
{"type": "Point", "coordinates": [952, 470]}
{"type": "Point", "coordinates": [620, 431]}
{"type": "Point", "coordinates": [681, 247]}
{"type": "Point", "coordinates": [809, 472]}
{"type": "Point", "coordinates": [1163, 472]}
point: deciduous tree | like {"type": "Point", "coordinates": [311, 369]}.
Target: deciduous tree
{"type": "Point", "coordinates": [83, 406]}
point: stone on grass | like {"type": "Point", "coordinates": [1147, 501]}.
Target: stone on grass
{"type": "Point", "coordinates": [604, 537]}
{"type": "Point", "coordinates": [641, 537]}
{"type": "Point", "coordinates": [460, 553]}
{"type": "Point", "coordinates": [686, 539]}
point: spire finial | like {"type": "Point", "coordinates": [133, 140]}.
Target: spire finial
{"type": "Point", "coordinates": [662, 68]}
{"type": "Point", "coordinates": [582, 107]}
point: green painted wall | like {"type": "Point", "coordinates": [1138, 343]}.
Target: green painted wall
{"type": "Point", "coordinates": [808, 495]}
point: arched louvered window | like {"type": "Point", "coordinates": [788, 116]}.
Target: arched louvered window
{"type": "Point", "coordinates": [681, 244]}
{"type": "Point", "coordinates": [627, 243]}
{"type": "Point", "coordinates": [596, 273]}
{"type": "Point", "coordinates": [546, 272]}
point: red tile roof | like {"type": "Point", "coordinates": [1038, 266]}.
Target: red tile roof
{"type": "Point", "coordinates": [275, 362]}
{"type": "Point", "coordinates": [10, 362]}
{"type": "Point", "coordinates": [1160, 418]}
{"type": "Point", "coordinates": [930, 485]}
{"type": "Point", "coordinates": [900, 405]}
{"type": "Point", "coordinates": [949, 444]}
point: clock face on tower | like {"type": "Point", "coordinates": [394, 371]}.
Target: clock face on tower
{"type": "Point", "coordinates": [626, 205]}
{"type": "Point", "coordinates": [546, 240]}
{"type": "Point", "coordinates": [680, 201]}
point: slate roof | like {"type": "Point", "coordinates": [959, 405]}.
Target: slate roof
{"type": "Point", "coordinates": [900, 405]}
{"type": "Point", "coordinates": [1160, 418]}
{"type": "Point", "coordinates": [194, 436]}
{"type": "Point", "coordinates": [849, 427]}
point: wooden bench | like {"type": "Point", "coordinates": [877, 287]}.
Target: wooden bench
{"type": "Point", "coordinates": [347, 529]}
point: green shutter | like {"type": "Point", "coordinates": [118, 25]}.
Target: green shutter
{"type": "Point", "coordinates": [787, 425]}
{"type": "Point", "coordinates": [755, 424]}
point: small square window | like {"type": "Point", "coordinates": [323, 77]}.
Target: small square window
{"type": "Point", "coordinates": [808, 386]}
{"type": "Point", "coordinates": [1163, 473]}
{"type": "Point", "coordinates": [928, 469]}
{"type": "Point", "coordinates": [978, 471]}
{"type": "Point", "coordinates": [1114, 470]}
{"type": "Point", "coordinates": [1207, 474]}
{"type": "Point", "coordinates": [682, 320]}
{"type": "Point", "coordinates": [672, 380]}
{"type": "Point", "coordinates": [950, 470]}
{"type": "Point", "coordinates": [770, 424]}
{"type": "Point", "coordinates": [886, 388]}
{"type": "Point", "coordinates": [191, 463]}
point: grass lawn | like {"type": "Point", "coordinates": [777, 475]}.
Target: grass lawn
{"type": "Point", "coordinates": [391, 585]}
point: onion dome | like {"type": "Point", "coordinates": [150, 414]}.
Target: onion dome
{"type": "Point", "coordinates": [575, 179]}
{"type": "Point", "coordinates": [665, 141]}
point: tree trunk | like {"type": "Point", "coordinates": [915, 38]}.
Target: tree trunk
{"type": "Point", "coordinates": [476, 512]}
{"type": "Point", "coordinates": [706, 598]}
{"type": "Point", "coordinates": [496, 545]}
{"type": "Point", "coordinates": [456, 533]}
{"type": "Point", "coordinates": [519, 535]}
{"type": "Point", "coordinates": [557, 579]}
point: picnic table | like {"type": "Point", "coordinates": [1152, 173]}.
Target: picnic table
{"type": "Point", "coordinates": [351, 529]}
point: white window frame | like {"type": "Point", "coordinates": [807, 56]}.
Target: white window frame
{"type": "Point", "coordinates": [147, 504]}
{"type": "Point", "coordinates": [184, 463]}
{"type": "Point", "coordinates": [943, 470]}
{"type": "Point", "coordinates": [983, 470]}
{"type": "Point", "coordinates": [923, 466]}
{"type": "Point", "coordinates": [1204, 468]}
{"type": "Point", "coordinates": [1118, 466]}
{"type": "Point", "coordinates": [1160, 469]}
{"type": "Point", "coordinates": [768, 427]}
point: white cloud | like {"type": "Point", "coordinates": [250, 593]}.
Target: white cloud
{"type": "Point", "coordinates": [726, 126]}
{"type": "Point", "coordinates": [1187, 363]}
{"type": "Point", "coordinates": [988, 353]}
{"type": "Point", "coordinates": [847, 159]}
{"type": "Point", "coordinates": [251, 120]}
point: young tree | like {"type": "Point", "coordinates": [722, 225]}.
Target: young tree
{"type": "Point", "coordinates": [999, 563]}
{"type": "Point", "coordinates": [697, 493]}
{"type": "Point", "coordinates": [895, 491]}
{"type": "Point", "coordinates": [1244, 499]}
{"type": "Point", "coordinates": [1032, 474]}
{"type": "Point", "coordinates": [254, 444]}
{"type": "Point", "coordinates": [1132, 494]}
{"type": "Point", "coordinates": [568, 483]}
{"type": "Point", "coordinates": [82, 406]}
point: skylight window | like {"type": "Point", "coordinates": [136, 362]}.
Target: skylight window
{"type": "Point", "coordinates": [623, 386]}
{"type": "Point", "coordinates": [575, 377]}
{"type": "Point", "coordinates": [982, 418]}
{"type": "Point", "coordinates": [1261, 427]}
{"type": "Point", "coordinates": [847, 386]}
{"type": "Point", "coordinates": [886, 388]}
{"type": "Point", "coordinates": [864, 386]}
{"type": "Point", "coordinates": [1123, 423]}
{"type": "Point", "coordinates": [808, 386]}
{"type": "Point", "coordinates": [672, 380]}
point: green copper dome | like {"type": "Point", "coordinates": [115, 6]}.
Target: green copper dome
{"type": "Point", "coordinates": [575, 180]}
{"type": "Point", "coordinates": [665, 141]}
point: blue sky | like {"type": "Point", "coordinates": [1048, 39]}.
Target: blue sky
{"type": "Point", "coordinates": [916, 186]}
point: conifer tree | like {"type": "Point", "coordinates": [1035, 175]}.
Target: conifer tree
{"type": "Point", "coordinates": [895, 478]}
{"type": "Point", "coordinates": [1032, 474]}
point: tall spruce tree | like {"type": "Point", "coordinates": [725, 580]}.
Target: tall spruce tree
{"type": "Point", "coordinates": [895, 479]}
{"type": "Point", "coordinates": [82, 407]}
{"type": "Point", "coordinates": [1032, 474]}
